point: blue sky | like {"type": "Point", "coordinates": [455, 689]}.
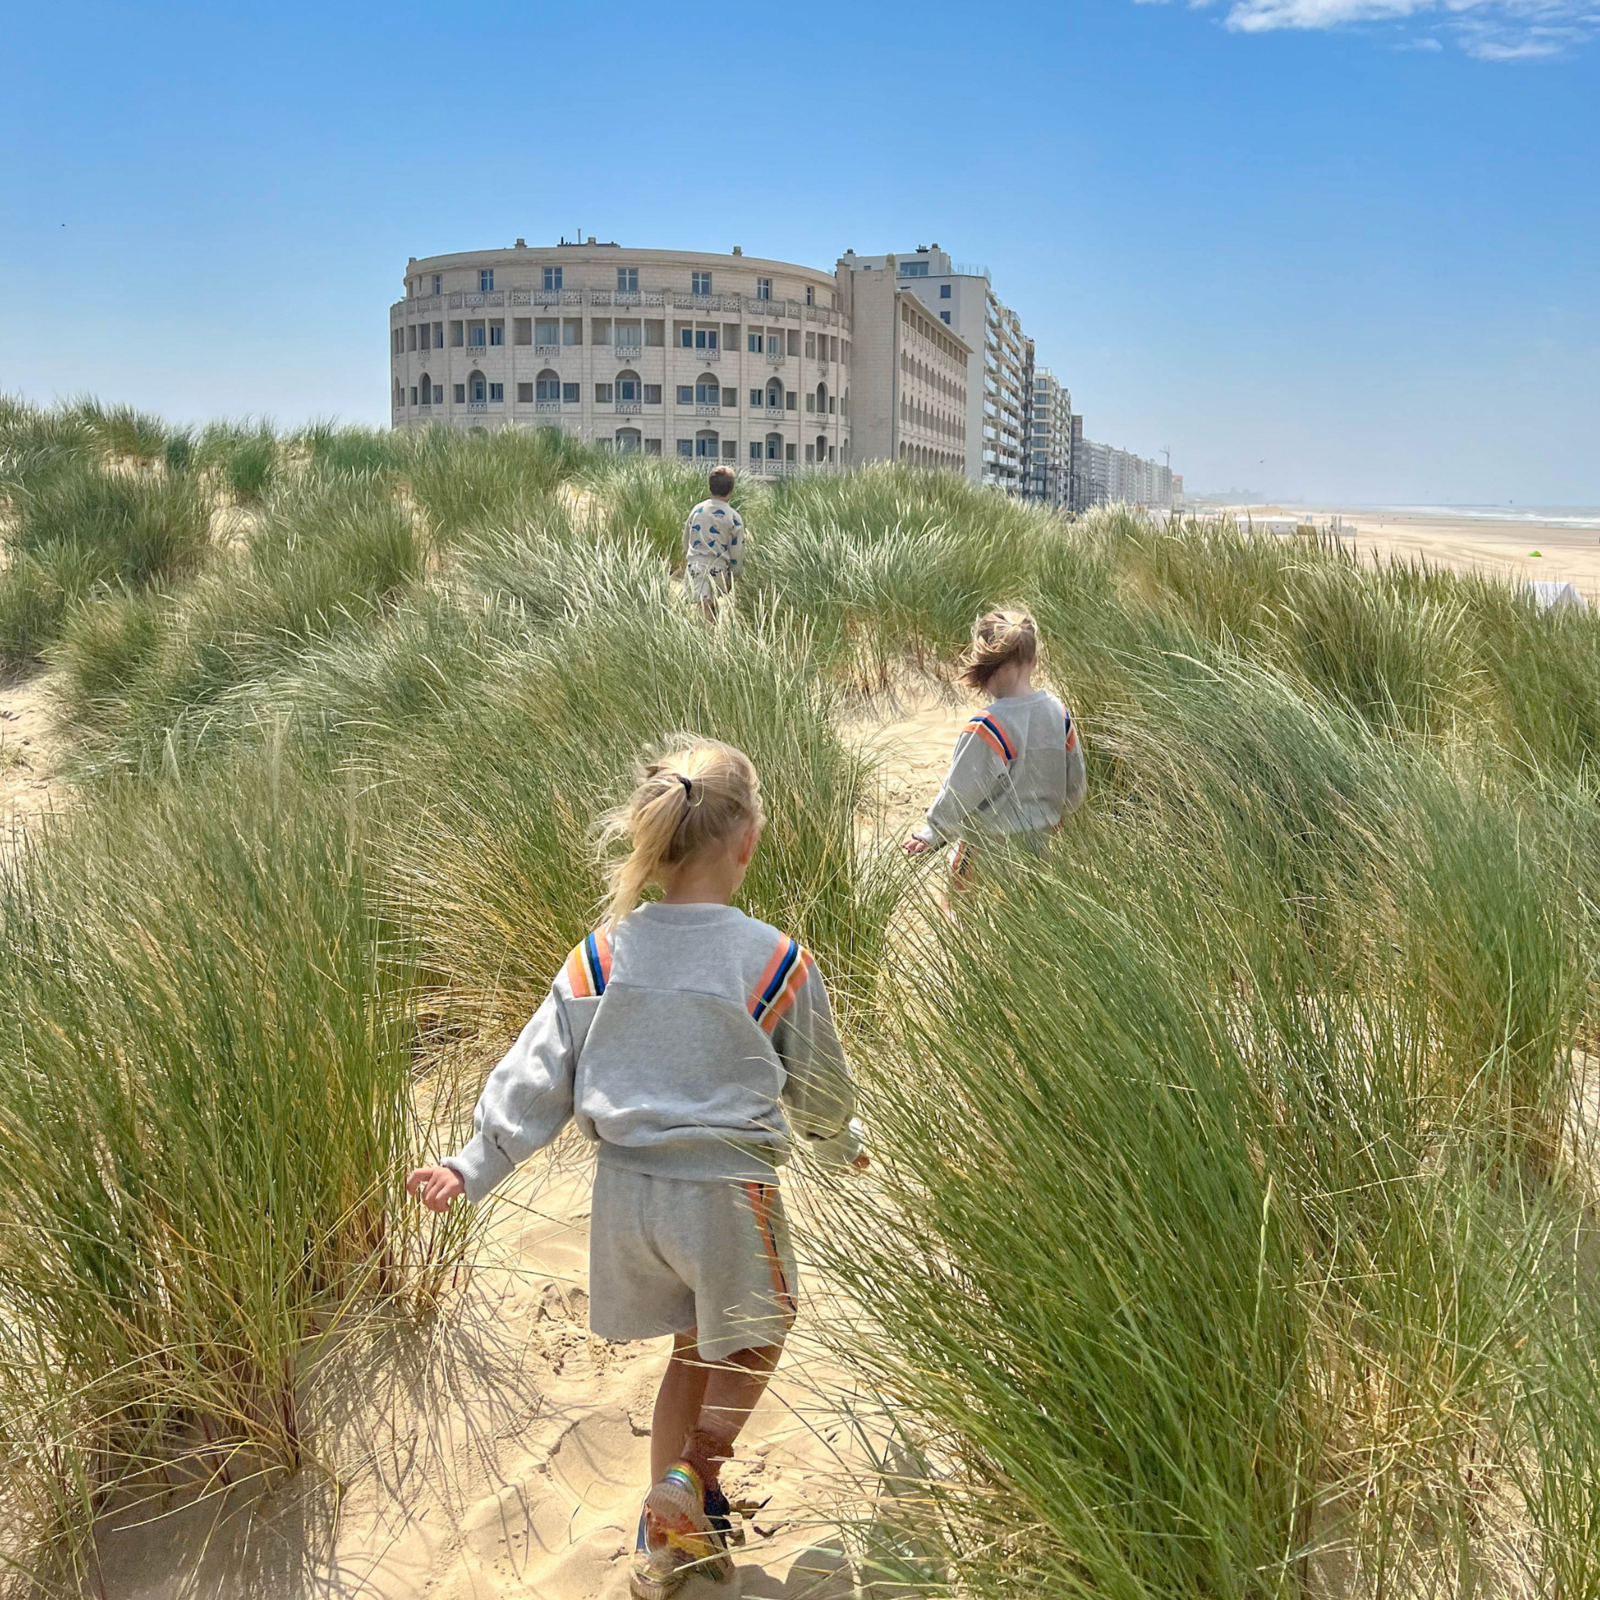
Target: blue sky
{"type": "Point", "coordinates": [1333, 249]}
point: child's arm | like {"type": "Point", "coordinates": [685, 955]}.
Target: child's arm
{"type": "Point", "coordinates": [975, 769]}
{"type": "Point", "coordinates": [818, 1092]}
{"type": "Point", "coordinates": [525, 1102]}
{"type": "Point", "coordinates": [1077, 771]}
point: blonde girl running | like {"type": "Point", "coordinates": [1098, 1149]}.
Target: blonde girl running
{"type": "Point", "coordinates": [693, 1045]}
{"type": "Point", "coordinates": [1018, 766]}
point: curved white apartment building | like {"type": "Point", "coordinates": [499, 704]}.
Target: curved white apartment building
{"type": "Point", "coordinates": [665, 352]}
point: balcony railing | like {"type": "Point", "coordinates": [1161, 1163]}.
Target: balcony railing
{"type": "Point", "coordinates": [545, 352]}
{"type": "Point", "coordinates": [703, 410]}
{"type": "Point", "coordinates": [477, 405]}
{"type": "Point", "coordinates": [628, 408]}
{"type": "Point", "coordinates": [699, 354]}
{"type": "Point", "coordinates": [629, 352]}
{"type": "Point", "coordinates": [490, 297]}
{"type": "Point", "coordinates": [548, 408]}
{"type": "Point", "coordinates": [776, 358]}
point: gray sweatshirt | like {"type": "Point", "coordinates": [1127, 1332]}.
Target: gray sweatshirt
{"type": "Point", "coordinates": [1018, 768]}
{"type": "Point", "coordinates": [688, 1044]}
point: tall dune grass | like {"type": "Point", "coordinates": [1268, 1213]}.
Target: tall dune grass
{"type": "Point", "coordinates": [1229, 1230]}
{"type": "Point", "coordinates": [76, 526]}
{"type": "Point", "coordinates": [206, 1044]}
{"type": "Point", "coordinates": [140, 673]}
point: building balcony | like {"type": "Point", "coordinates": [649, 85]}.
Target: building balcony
{"type": "Point", "coordinates": [776, 358]}
{"type": "Point", "coordinates": [546, 352]}
{"type": "Point", "coordinates": [477, 405]}
{"type": "Point", "coordinates": [627, 354]}
{"type": "Point", "coordinates": [490, 297]}
{"type": "Point", "coordinates": [707, 411]}
{"type": "Point", "coordinates": [547, 408]}
{"type": "Point", "coordinates": [628, 408]}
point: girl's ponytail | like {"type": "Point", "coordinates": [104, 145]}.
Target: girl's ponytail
{"type": "Point", "coordinates": [692, 795]}
{"type": "Point", "coordinates": [999, 638]}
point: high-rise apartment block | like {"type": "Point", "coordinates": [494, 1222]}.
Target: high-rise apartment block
{"type": "Point", "coordinates": [1000, 391]}
{"type": "Point", "coordinates": [910, 375]}
{"type": "Point", "coordinates": [1050, 442]}
{"type": "Point", "coordinates": [1113, 477]}
{"type": "Point", "coordinates": [765, 364]}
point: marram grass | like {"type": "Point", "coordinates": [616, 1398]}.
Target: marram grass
{"type": "Point", "coordinates": [1228, 1231]}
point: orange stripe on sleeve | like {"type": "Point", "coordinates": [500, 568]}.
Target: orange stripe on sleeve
{"type": "Point", "coordinates": [988, 738]}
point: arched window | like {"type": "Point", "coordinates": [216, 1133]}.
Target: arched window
{"type": "Point", "coordinates": [822, 447]}
{"type": "Point", "coordinates": [425, 389]}
{"type": "Point", "coordinates": [628, 441]}
{"type": "Point", "coordinates": [774, 447]}
{"type": "Point", "coordinates": [775, 394]}
{"type": "Point", "coordinates": [477, 389]}
{"type": "Point", "coordinates": [628, 387]}
{"type": "Point", "coordinates": [822, 399]}
{"type": "Point", "coordinates": [706, 444]}
{"type": "Point", "coordinates": [547, 386]}
{"type": "Point", "coordinates": [708, 390]}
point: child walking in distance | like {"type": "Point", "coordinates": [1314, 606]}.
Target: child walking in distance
{"type": "Point", "coordinates": [693, 1045]}
{"type": "Point", "coordinates": [1018, 766]}
{"type": "Point", "coordinates": [713, 541]}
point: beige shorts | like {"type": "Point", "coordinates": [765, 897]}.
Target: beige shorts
{"type": "Point", "coordinates": [707, 582]}
{"type": "Point", "coordinates": [667, 1255]}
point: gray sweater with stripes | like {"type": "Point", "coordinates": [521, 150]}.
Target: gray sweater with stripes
{"type": "Point", "coordinates": [1018, 768]}
{"type": "Point", "coordinates": [693, 1042]}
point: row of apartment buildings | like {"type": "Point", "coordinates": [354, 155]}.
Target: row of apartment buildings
{"type": "Point", "coordinates": [760, 363]}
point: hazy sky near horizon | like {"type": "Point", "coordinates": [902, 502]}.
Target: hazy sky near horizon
{"type": "Point", "coordinates": [1338, 250]}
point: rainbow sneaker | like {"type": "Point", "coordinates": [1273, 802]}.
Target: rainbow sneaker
{"type": "Point", "coordinates": [677, 1522]}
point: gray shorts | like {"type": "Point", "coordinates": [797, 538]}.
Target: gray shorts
{"type": "Point", "coordinates": [667, 1255]}
{"type": "Point", "coordinates": [707, 580]}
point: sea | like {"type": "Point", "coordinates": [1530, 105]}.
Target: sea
{"type": "Point", "coordinates": [1580, 518]}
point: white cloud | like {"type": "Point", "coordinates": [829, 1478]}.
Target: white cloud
{"type": "Point", "coordinates": [1491, 30]}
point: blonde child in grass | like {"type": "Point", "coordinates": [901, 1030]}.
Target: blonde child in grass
{"type": "Point", "coordinates": [1018, 766]}
{"type": "Point", "coordinates": [692, 1044]}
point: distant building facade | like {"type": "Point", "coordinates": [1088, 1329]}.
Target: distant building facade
{"type": "Point", "coordinates": [910, 375]}
{"type": "Point", "coordinates": [1000, 389]}
{"type": "Point", "coordinates": [658, 352]}
{"type": "Point", "coordinates": [766, 365]}
{"type": "Point", "coordinates": [1049, 479]}
{"type": "Point", "coordinates": [1118, 477]}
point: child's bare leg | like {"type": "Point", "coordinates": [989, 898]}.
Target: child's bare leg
{"type": "Point", "coordinates": [733, 1387]}
{"type": "Point", "coordinates": [678, 1403]}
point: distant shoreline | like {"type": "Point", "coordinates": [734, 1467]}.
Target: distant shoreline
{"type": "Point", "coordinates": [1521, 544]}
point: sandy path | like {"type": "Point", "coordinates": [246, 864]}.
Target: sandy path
{"type": "Point", "coordinates": [504, 1450]}
{"type": "Point", "coordinates": [28, 752]}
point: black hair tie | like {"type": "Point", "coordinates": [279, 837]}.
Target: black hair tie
{"type": "Point", "coordinates": [688, 784]}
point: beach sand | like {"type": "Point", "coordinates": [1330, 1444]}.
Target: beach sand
{"type": "Point", "coordinates": [29, 748]}
{"type": "Point", "coordinates": [501, 1450]}
{"type": "Point", "coordinates": [1519, 550]}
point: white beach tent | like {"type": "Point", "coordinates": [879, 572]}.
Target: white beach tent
{"type": "Point", "coordinates": [1556, 596]}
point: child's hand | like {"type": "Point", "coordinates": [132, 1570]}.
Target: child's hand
{"type": "Point", "coordinates": [916, 845]}
{"type": "Point", "coordinates": [436, 1187]}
